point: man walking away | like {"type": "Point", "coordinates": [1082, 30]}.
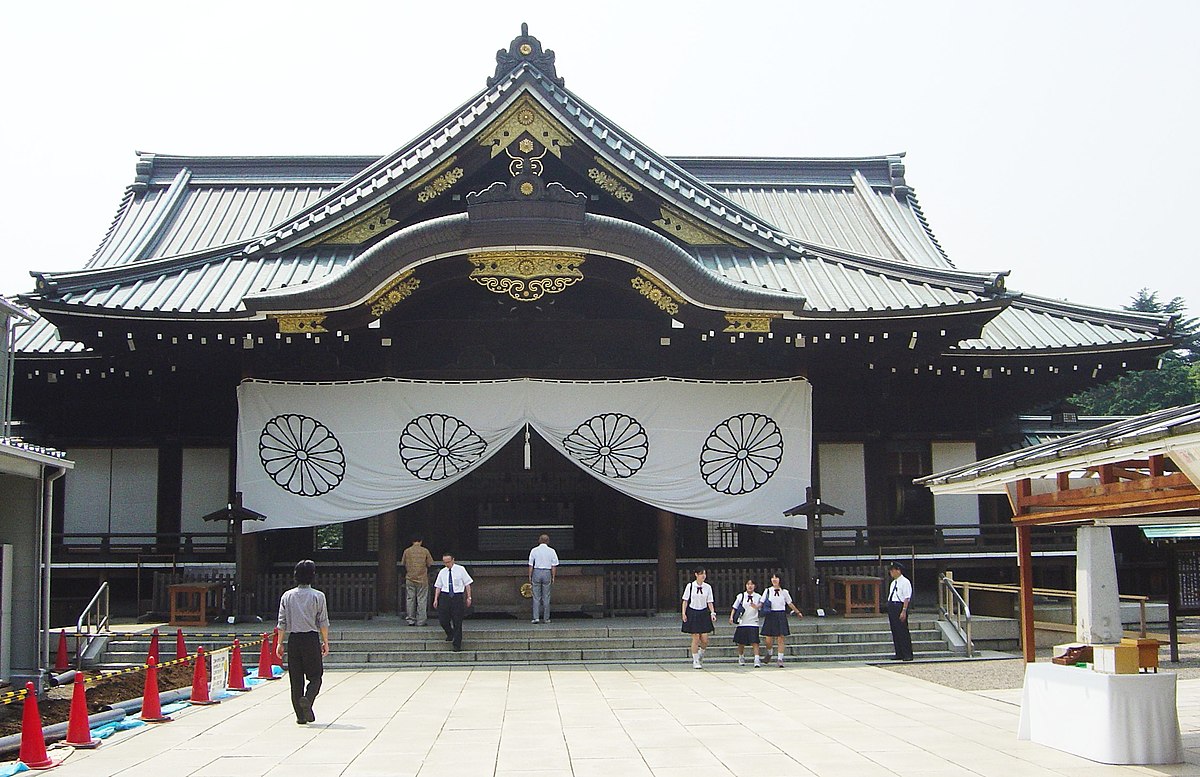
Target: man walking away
{"type": "Point", "coordinates": [543, 566]}
{"type": "Point", "coordinates": [417, 561]}
{"type": "Point", "coordinates": [899, 595]}
{"type": "Point", "coordinates": [451, 598]}
{"type": "Point", "coordinates": [304, 619]}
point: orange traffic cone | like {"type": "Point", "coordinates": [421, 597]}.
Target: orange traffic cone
{"type": "Point", "coordinates": [237, 673]}
{"type": "Point", "coordinates": [180, 645]}
{"type": "Point", "coordinates": [61, 664]}
{"type": "Point", "coordinates": [33, 744]}
{"type": "Point", "coordinates": [151, 707]}
{"type": "Point", "coordinates": [265, 659]}
{"type": "Point", "coordinates": [153, 651]}
{"type": "Point", "coordinates": [200, 680]}
{"type": "Point", "coordinates": [79, 734]}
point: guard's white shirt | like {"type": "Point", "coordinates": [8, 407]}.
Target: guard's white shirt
{"type": "Point", "coordinates": [543, 557]}
{"type": "Point", "coordinates": [750, 616]}
{"type": "Point", "coordinates": [699, 596]}
{"type": "Point", "coordinates": [776, 600]}
{"type": "Point", "coordinates": [461, 579]}
{"type": "Point", "coordinates": [900, 590]}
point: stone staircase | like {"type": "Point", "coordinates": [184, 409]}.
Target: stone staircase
{"type": "Point", "coordinates": [390, 642]}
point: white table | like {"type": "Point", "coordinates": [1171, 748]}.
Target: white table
{"type": "Point", "coordinates": [1110, 718]}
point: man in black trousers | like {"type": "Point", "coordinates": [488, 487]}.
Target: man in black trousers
{"type": "Point", "coordinates": [304, 619]}
{"type": "Point", "coordinates": [899, 595]}
{"type": "Point", "coordinates": [451, 598]}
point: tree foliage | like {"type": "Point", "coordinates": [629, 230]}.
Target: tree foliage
{"type": "Point", "coordinates": [1176, 382]}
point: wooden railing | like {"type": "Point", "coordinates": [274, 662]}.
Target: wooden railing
{"type": "Point", "coordinates": [831, 540]}
{"type": "Point", "coordinates": [348, 594]}
{"type": "Point", "coordinates": [212, 544]}
{"type": "Point", "coordinates": [630, 590]}
{"type": "Point", "coordinates": [965, 587]}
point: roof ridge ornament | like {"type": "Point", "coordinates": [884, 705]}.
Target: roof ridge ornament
{"type": "Point", "coordinates": [525, 48]}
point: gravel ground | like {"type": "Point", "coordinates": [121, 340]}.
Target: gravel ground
{"type": "Point", "coordinates": [995, 674]}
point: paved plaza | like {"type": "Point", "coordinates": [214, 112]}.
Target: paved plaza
{"type": "Point", "coordinates": [833, 720]}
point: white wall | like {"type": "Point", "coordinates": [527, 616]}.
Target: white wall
{"type": "Point", "coordinates": [842, 473]}
{"type": "Point", "coordinates": [955, 509]}
{"type": "Point", "coordinates": [205, 489]}
{"type": "Point", "coordinates": [112, 490]}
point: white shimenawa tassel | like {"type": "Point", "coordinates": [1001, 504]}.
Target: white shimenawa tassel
{"type": "Point", "coordinates": [528, 451]}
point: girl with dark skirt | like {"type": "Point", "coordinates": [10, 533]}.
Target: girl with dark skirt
{"type": "Point", "coordinates": [699, 614]}
{"type": "Point", "coordinates": [774, 613]}
{"type": "Point", "coordinates": [747, 622]}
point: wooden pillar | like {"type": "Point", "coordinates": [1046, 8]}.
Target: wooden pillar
{"type": "Point", "coordinates": [1025, 568]}
{"type": "Point", "coordinates": [246, 551]}
{"type": "Point", "coordinates": [668, 577]}
{"type": "Point", "coordinates": [386, 578]}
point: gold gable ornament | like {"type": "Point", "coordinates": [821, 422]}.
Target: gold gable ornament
{"type": "Point", "coordinates": [300, 323]}
{"type": "Point", "coordinates": [657, 292]}
{"type": "Point", "coordinates": [371, 224]}
{"type": "Point", "coordinates": [526, 117]}
{"type": "Point", "coordinates": [398, 290]}
{"type": "Point", "coordinates": [526, 275]}
{"type": "Point", "coordinates": [692, 231]}
{"type": "Point", "coordinates": [750, 322]}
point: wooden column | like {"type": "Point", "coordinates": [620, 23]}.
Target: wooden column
{"type": "Point", "coordinates": [386, 578]}
{"type": "Point", "coordinates": [246, 552]}
{"type": "Point", "coordinates": [668, 578]}
{"type": "Point", "coordinates": [1025, 567]}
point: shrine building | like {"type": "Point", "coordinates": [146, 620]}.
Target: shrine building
{"type": "Point", "coordinates": [526, 320]}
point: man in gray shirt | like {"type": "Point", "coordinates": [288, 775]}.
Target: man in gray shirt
{"type": "Point", "coordinates": [304, 619]}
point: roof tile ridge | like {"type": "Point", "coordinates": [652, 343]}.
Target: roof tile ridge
{"type": "Point", "coordinates": [49, 284]}
{"type": "Point", "coordinates": [1066, 308]}
{"type": "Point", "coordinates": [351, 193]}
{"type": "Point", "coordinates": [122, 209]}
{"type": "Point", "coordinates": [923, 220]}
{"type": "Point", "coordinates": [990, 282]}
{"type": "Point", "coordinates": [617, 138]}
{"type": "Point", "coordinates": [866, 194]}
{"type": "Point", "coordinates": [164, 210]}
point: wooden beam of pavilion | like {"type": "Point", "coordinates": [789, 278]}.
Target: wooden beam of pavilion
{"type": "Point", "coordinates": [1114, 510]}
{"type": "Point", "coordinates": [1176, 484]}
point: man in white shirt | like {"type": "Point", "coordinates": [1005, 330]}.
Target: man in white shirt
{"type": "Point", "coordinates": [451, 598]}
{"type": "Point", "coordinates": [899, 595]}
{"type": "Point", "coordinates": [543, 566]}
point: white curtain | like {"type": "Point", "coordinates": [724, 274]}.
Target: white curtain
{"type": "Point", "coordinates": [319, 453]}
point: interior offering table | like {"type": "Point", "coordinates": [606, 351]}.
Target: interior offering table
{"type": "Point", "coordinates": [855, 594]}
{"type": "Point", "coordinates": [1109, 718]}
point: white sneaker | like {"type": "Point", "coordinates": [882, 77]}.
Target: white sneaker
{"type": "Point", "coordinates": [535, 620]}
{"type": "Point", "coordinates": [741, 660]}
{"type": "Point", "coordinates": [780, 662]}
{"type": "Point", "coordinates": [696, 662]}
{"type": "Point", "coordinates": [757, 662]}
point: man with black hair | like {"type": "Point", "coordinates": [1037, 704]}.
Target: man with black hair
{"type": "Point", "coordinates": [304, 620]}
{"type": "Point", "coordinates": [899, 595]}
{"type": "Point", "coordinates": [417, 561]}
{"type": "Point", "coordinates": [451, 598]}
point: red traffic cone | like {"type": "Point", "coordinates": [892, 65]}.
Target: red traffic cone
{"type": "Point", "coordinates": [79, 734]}
{"type": "Point", "coordinates": [265, 659]}
{"type": "Point", "coordinates": [151, 707]}
{"type": "Point", "coordinates": [200, 680]}
{"type": "Point", "coordinates": [33, 744]}
{"type": "Point", "coordinates": [237, 674]}
{"type": "Point", "coordinates": [61, 664]}
{"type": "Point", "coordinates": [153, 651]}
{"type": "Point", "coordinates": [180, 645]}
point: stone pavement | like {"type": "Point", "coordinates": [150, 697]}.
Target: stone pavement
{"type": "Point", "coordinates": [833, 720]}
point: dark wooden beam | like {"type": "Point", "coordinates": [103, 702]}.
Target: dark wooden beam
{"type": "Point", "coordinates": [1025, 570]}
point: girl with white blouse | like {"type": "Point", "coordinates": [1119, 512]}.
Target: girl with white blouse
{"type": "Point", "coordinates": [747, 622]}
{"type": "Point", "coordinates": [699, 613]}
{"type": "Point", "coordinates": [774, 613]}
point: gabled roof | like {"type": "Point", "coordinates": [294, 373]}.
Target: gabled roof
{"type": "Point", "coordinates": [195, 236]}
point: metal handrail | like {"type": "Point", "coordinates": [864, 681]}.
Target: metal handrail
{"type": "Point", "coordinates": [955, 609]}
{"type": "Point", "coordinates": [92, 622]}
{"type": "Point", "coordinates": [1010, 588]}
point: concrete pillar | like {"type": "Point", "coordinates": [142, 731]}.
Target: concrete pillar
{"type": "Point", "coordinates": [667, 579]}
{"type": "Point", "coordinates": [1098, 610]}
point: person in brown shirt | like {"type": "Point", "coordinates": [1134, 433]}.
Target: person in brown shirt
{"type": "Point", "coordinates": [417, 561]}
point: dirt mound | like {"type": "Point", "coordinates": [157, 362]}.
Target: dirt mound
{"type": "Point", "coordinates": [101, 692]}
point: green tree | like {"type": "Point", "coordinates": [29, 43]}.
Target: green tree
{"type": "Point", "coordinates": [1175, 382]}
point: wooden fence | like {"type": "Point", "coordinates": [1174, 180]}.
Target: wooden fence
{"type": "Point", "coordinates": [630, 591]}
{"type": "Point", "coordinates": [348, 594]}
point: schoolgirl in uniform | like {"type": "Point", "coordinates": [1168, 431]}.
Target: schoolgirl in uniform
{"type": "Point", "coordinates": [774, 613]}
{"type": "Point", "coordinates": [699, 614]}
{"type": "Point", "coordinates": [747, 623]}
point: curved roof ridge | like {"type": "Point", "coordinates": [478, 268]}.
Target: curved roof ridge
{"type": "Point", "coordinates": [122, 209]}
{"type": "Point", "coordinates": [1164, 322]}
{"type": "Point", "coordinates": [88, 277]}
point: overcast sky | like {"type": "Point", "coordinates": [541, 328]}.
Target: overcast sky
{"type": "Point", "coordinates": [1056, 140]}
